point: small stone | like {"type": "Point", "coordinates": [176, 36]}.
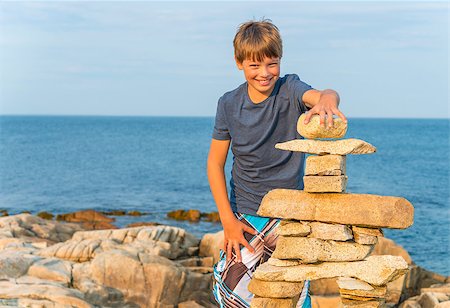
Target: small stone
{"type": "Point", "coordinates": [282, 263]}
{"type": "Point", "coordinates": [338, 147]}
{"type": "Point", "coordinates": [312, 250]}
{"type": "Point", "coordinates": [323, 184]}
{"type": "Point", "coordinates": [348, 209]}
{"type": "Point", "coordinates": [325, 165]}
{"type": "Point", "coordinates": [326, 231]}
{"type": "Point", "coordinates": [357, 294]}
{"type": "Point", "coordinates": [365, 239]}
{"type": "Point", "coordinates": [263, 302]}
{"type": "Point", "coordinates": [348, 303]}
{"type": "Point", "coordinates": [367, 231]}
{"type": "Point", "coordinates": [275, 289]}
{"type": "Point", "coordinates": [293, 228]}
{"type": "Point", "coordinates": [353, 284]}
{"type": "Point", "coordinates": [314, 130]}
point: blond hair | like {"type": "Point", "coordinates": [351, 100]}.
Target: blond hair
{"type": "Point", "coordinates": [256, 40]}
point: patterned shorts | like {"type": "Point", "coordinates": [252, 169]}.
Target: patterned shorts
{"type": "Point", "coordinates": [232, 278]}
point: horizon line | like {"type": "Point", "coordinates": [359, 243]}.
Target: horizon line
{"type": "Point", "coordinates": [197, 116]}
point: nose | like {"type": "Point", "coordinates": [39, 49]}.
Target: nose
{"type": "Point", "coordinates": [264, 71]}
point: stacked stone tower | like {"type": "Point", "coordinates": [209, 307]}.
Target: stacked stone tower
{"type": "Point", "coordinates": [325, 232]}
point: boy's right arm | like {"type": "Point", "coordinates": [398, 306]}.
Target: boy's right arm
{"type": "Point", "coordinates": [233, 228]}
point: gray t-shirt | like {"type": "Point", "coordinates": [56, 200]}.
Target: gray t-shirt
{"type": "Point", "coordinates": [254, 129]}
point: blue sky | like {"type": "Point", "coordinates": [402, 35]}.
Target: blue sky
{"type": "Point", "coordinates": [386, 59]}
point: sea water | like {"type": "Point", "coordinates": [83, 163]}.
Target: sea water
{"type": "Point", "coordinates": [62, 164]}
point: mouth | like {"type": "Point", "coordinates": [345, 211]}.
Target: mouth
{"type": "Point", "coordinates": [264, 82]}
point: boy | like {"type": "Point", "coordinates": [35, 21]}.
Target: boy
{"type": "Point", "coordinates": [253, 118]}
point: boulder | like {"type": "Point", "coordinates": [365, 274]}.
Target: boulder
{"type": "Point", "coordinates": [338, 147]}
{"type": "Point", "coordinates": [312, 250]}
{"type": "Point", "coordinates": [314, 130]}
{"type": "Point", "coordinates": [427, 300]}
{"type": "Point", "coordinates": [325, 165]}
{"type": "Point", "coordinates": [353, 209]}
{"type": "Point", "coordinates": [212, 217]}
{"type": "Point", "coordinates": [135, 213]}
{"type": "Point", "coordinates": [375, 270]}
{"type": "Point", "coordinates": [31, 229]}
{"type": "Point", "coordinates": [60, 296]}
{"type": "Point", "coordinates": [45, 215]}
{"type": "Point", "coordinates": [190, 215]}
{"type": "Point", "coordinates": [211, 244]}
{"type": "Point", "coordinates": [52, 269]}
{"type": "Point", "coordinates": [156, 280]}
{"type": "Point", "coordinates": [14, 264]}
{"type": "Point", "coordinates": [84, 216]}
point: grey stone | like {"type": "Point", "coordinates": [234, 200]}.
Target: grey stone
{"type": "Point", "coordinates": [314, 130]}
{"type": "Point", "coordinates": [338, 147]}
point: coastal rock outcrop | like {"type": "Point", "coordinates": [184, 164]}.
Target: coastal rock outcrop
{"type": "Point", "coordinates": [161, 266]}
{"type": "Point", "coordinates": [148, 266]}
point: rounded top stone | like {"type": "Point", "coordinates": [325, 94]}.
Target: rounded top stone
{"type": "Point", "coordinates": [314, 130]}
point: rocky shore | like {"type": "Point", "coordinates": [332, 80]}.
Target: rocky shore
{"type": "Point", "coordinates": [88, 262]}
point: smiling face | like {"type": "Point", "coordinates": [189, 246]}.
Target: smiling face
{"type": "Point", "coordinates": [261, 77]}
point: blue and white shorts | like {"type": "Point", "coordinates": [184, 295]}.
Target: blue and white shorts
{"type": "Point", "coordinates": [232, 278]}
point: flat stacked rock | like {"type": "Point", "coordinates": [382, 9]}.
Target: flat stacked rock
{"type": "Point", "coordinates": [325, 232]}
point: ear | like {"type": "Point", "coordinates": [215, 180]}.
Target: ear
{"type": "Point", "coordinates": [239, 64]}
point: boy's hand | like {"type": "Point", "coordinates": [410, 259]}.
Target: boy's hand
{"type": "Point", "coordinates": [326, 106]}
{"type": "Point", "coordinates": [234, 237]}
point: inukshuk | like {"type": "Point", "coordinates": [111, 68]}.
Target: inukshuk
{"type": "Point", "coordinates": [325, 232]}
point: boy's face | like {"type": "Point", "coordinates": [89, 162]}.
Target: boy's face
{"type": "Point", "coordinates": [261, 77]}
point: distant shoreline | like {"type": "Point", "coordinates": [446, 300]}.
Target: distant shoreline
{"type": "Point", "coordinates": [187, 116]}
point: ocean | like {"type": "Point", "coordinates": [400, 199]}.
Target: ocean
{"type": "Point", "coordinates": [63, 164]}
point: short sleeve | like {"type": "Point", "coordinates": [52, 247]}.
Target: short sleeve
{"type": "Point", "coordinates": [297, 89]}
{"type": "Point", "coordinates": [221, 131]}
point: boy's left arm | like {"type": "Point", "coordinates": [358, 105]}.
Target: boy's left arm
{"type": "Point", "coordinates": [324, 103]}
